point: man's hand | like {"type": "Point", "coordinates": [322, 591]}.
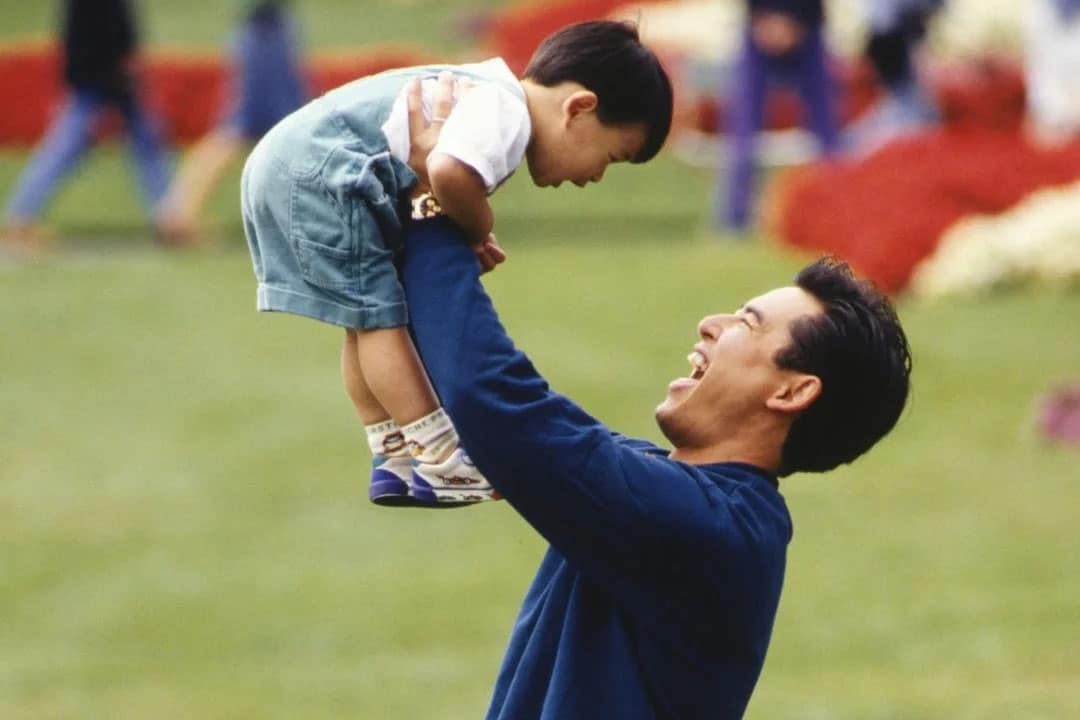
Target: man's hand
{"type": "Point", "coordinates": [423, 134]}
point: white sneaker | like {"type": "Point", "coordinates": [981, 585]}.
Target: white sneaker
{"type": "Point", "coordinates": [451, 483]}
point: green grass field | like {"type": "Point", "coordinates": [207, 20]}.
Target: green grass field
{"type": "Point", "coordinates": [329, 25]}
{"type": "Point", "coordinates": [185, 531]}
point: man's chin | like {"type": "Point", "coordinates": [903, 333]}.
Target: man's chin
{"type": "Point", "coordinates": [677, 392]}
{"type": "Point", "coordinates": [663, 417]}
{"type": "Point", "coordinates": [666, 410]}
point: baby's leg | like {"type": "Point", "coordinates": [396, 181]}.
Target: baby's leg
{"type": "Point", "coordinates": [367, 405]}
{"type": "Point", "coordinates": [393, 381]}
{"type": "Point", "coordinates": [391, 460]}
{"type": "Point", "coordinates": [397, 384]}
{"type": "Point", "coordinates": [389, 384]}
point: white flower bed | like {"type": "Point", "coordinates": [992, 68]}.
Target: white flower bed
{"type": "Point", "coordinates": [709, 29]}
{"type": "Point", "coordinates": [1036, 241]}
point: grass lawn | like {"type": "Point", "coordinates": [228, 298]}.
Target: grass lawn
{"type": "Point", "coordinates": [183, 519]}
{"type": "Point", "coordinates": [186, 534]}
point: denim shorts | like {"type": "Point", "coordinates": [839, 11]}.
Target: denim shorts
{"type": "Point", "coordinates": [322, 218]}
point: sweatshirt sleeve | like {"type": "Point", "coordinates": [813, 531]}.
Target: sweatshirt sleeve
{"type": "Point", "coordinates": [609, 506]}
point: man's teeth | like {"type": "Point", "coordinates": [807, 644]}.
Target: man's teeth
{"type": "Point", "coordinates": [698, 362]}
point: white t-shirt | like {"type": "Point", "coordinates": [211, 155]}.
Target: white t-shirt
{"type": "Point", "coordinates": [488, 129]}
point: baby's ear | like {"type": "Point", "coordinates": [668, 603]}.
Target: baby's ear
{"type": "Point", "coordinates": [579, 102]}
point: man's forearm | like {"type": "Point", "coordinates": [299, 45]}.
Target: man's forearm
{"type": "Point", "coordinates": [581, 487]}
{"type": "Point", "coordinates": [456, 329]}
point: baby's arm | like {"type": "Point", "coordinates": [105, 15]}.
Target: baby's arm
{"type": "Point", "coordinates": [424, 135]}
{"type": "Point", "coordinates": [462, 195]}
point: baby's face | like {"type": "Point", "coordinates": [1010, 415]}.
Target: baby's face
{"type": "Point", "coordinates": [581, 151]}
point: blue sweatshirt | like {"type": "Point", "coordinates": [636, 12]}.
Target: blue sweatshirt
{"type": "Point", "coordinates": [657, 596]}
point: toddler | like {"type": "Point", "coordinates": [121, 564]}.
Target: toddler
{"type": "Point", "coordinates": [325, 192]}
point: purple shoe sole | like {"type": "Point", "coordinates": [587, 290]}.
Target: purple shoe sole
{"type": "Point", "coordinates": [388, 489]}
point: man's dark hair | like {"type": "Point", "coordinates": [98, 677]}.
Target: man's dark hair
{"type": "Point", "coordinates": [607, 57]}
{"type": "Point", "coordinates": [859, 351]}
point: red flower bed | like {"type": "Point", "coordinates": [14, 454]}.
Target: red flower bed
{"type": "Point", "coordinates": [886, 212]}
{"type": "Point", "coordinates": [187, 92]}
{"type": "Point", "coordinates": [30, 80]}
{"type": "Point", "coordinates": [514, 33]}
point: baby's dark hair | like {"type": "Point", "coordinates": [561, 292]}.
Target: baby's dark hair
{"type": "Point", "coordinates": [607, 57]}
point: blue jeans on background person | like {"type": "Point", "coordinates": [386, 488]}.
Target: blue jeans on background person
{"type": "Point", "coordinates": [267, 78]}
{"type": "Point", "coordinates": [66, 142]}
{"type": "Point", "coordinates": [806, 69]}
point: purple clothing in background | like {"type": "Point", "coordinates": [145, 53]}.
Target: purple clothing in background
{"type": "Point", "coordinates": [267, 77]}
{"type": "Point", "coordinates": [806, 69]}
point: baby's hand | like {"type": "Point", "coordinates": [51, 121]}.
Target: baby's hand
{"type": "Point", "coordinates": [489, 254]}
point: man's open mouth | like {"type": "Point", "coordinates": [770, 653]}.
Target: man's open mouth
{"type": "Point", "coordinates": [698, 363]}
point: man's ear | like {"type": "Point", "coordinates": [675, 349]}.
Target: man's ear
{"type": "Point", "coordinates": [796, 394]}
{"type": "Point", "coordinates": [579, 102]}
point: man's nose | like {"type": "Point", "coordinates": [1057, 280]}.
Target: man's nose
{"type": "Point", "coordinates": [712, 326]}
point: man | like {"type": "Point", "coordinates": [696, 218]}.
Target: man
{"type": "Point", "coordinates": [100, 43]}
{"type": "Point", "coordinates": [897, 29]}
{"type": "Point", "coordinates": [657, 596]}
{"type": "Point", "coordinates": [783, 44]}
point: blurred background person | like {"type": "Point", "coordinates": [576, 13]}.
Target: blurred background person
{"type": "Point", "coordinates": [782, 44]}
{"type": "Point", "coordinates": [897, 29]}
{"type": "Point", "coordinates": [100, 43]}
{"type": "Point", "coordinates": [1052, 69]}
{"type": "Point", "coordinates": [266, 84]}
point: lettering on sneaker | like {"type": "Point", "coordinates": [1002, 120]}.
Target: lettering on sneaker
{"type": "Point", "coordinates": [460, 480]}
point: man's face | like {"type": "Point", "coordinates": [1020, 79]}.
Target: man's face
{"type": "Point", "coordinates": [733, 373]}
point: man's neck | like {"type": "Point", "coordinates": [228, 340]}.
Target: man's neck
{"type": "Point", "coordinates": [760, 449]}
